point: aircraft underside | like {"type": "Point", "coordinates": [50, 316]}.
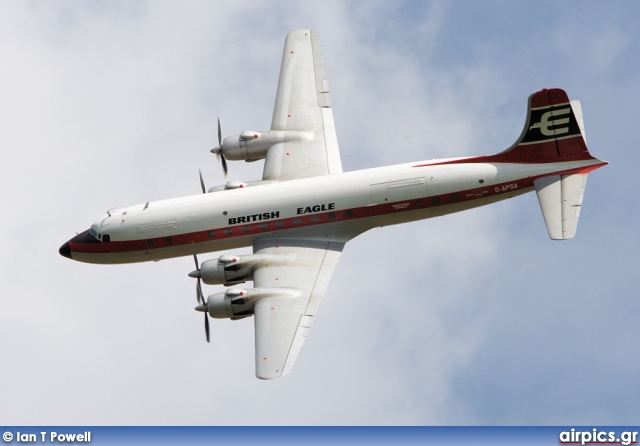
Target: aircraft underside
{"type": "Point", "coordinates": [299, 216]}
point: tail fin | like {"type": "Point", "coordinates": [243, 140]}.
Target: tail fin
{"type": "Point", "coordinates": [553, 134]}
{"type": "Point", "coordinates": [553, 131]}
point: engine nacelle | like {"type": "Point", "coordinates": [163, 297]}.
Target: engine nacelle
{"type": "Point", "coordinates": [218, 306]}
{"type": "Point", "coordinates": [252, 146]}
{"type": "Point", "coordinates": [234, 185]}
{"type": "Point", "coordinates": [224, 270]}
{"type": "Point", "coordinates": [237, 304]}
{"type": "Point", "coordinates": [229, 270]}
{"type": "Point", "coordinates": [238, 185]}
{"type": "Point", "coordinates": [248, 134]}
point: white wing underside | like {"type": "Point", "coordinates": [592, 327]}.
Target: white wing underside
{"type": "Point", "coordinates": [302, 103]}
{"type": "Point", "coordinates": [283, 322]}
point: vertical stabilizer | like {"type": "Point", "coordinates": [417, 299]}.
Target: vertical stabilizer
{"type": "Point", "coordinates": [553, 131]}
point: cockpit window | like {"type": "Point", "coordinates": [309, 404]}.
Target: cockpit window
{"type": "Point", "coordinates": [98, 236]}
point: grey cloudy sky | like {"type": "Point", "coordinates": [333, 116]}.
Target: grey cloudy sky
{"type": "Point", "coordinates": [476, 318]}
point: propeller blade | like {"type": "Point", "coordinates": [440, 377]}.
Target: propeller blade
{"type": "Point", "coordinates": [204, 191]}
{"type": "Point", "coordinates": [196, 274]}
{"type": "Point", "coordinates": [203, 305]}
{"type": "Point", "coordinates": [199, 292]}
{"type": "Point", "coordinates": [195, 257]}
{"type": "Point", "coordinates": [219, 150]}
{"type": "Point", "coordinates": [206, 326]}
{"type": "Point", "coordinates": [224, 165]}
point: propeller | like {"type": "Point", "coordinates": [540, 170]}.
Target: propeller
{"type": "Point", "coordinates": [202, 305]}
{"type": "Point", "coordinates": [206, 325]}
{"type": "Point", "coordinates": [204, 190]}
{"type": "Point", "coordinates": [219, 149]}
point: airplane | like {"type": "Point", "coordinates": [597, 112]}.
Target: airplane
{"type": "Point", "coordinates": [304, 210]}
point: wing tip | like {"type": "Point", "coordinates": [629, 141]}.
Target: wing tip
{"type": "Point", "coordinates": [303, 32]}
{"type": "Point", "coordinates": [267, 375]}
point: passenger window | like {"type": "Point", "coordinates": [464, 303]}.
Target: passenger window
{"type": "Point", "coordinates": [228, 231]}
{"type": "Point", "coordinates": [297, 221]}
{"type": "Point", "coordinates": [315, 218]}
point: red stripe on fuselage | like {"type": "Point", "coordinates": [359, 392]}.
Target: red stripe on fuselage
{"type": "Point", "coordinates": [505, 158]}
{"type": "Point", "coordinates": [302, 221]}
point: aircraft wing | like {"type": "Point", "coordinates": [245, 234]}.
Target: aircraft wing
{"type": "Point", "coordinates": [303, 103]}
{"type": "Point", "coordinates": [282, 322]}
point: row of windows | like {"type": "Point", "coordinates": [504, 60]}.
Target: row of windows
{"type": "Point", "coordinates": [348, 213]}
{"type": "Point", "coordinates": [279, 224]}
{"type": "Point", "coordinates": [167, 240]}
{"type": "Point", "coordinates": [261, 227]}
{"type": "Point", "coordinates": [438, 199]}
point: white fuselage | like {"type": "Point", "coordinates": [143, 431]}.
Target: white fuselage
{"type": "Point", "coordinates": [334, 207]}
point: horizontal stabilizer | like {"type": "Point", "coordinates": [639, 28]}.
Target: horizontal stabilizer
{"type": "Point", "coordinates": [560, 198]}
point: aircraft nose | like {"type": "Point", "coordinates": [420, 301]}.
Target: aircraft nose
{"type": "Point", "coordinates": [65, 250]}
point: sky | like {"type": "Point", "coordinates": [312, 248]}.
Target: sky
{"type": "Point", "coordinates": [475, 318]}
